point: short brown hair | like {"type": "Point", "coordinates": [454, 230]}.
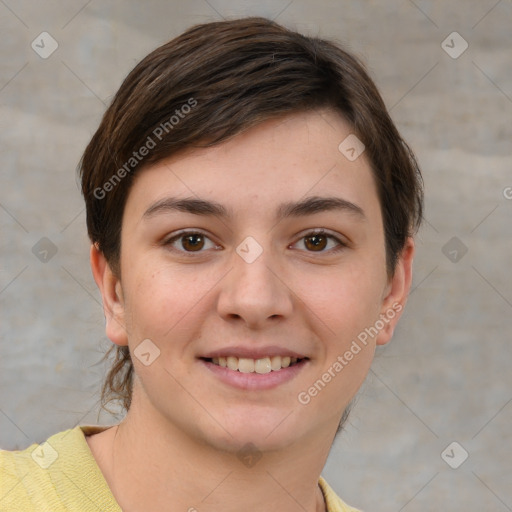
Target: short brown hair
{"type": "Point", "coordinates": [213, 82]}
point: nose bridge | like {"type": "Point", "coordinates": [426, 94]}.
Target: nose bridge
{"type": "Point", "coordinates": [253, 291]}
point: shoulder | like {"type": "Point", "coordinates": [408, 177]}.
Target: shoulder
{"type": "Point", "coordinates": [24, 479]}
{"type": "Point", "coordinates": [333, 501]}
{"type": "Point", "coordinates": [52, 475]}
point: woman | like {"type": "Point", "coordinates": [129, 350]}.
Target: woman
{"type": "Point", "coordinates": [251, 209]}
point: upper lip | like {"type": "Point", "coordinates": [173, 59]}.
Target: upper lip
{"type": "Point", "coordinates": [253, 353]}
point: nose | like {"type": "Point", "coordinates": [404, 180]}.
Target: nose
{"type": "Point", "coordinates": [255, 292]}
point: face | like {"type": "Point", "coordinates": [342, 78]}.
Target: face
{"type": "Point", "coordinates": [253, 285]}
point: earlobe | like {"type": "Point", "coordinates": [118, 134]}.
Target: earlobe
{"type": "Point", "coordinates": [396, 293]}
{"type": "Point", "coordinates": [112, 297]}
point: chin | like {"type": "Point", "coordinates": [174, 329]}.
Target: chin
{"type": "Point", "coordinates": [265, 430]}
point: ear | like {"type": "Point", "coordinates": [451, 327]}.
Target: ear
{"type": "Point", "coordinates": [112, 295]}
{"type": "Point", "coordinates": [396, 292]}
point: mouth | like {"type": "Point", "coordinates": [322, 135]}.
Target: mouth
{"type": "Point", "coordinates": [254, 374]}
{"type": "Point", "coordinates": [261, 365]}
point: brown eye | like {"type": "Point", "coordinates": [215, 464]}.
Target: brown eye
{"type": "Point", "coordinates": [319, 241]}
{"type": "Point", "coordinates": [189, 242]}
{"type": "Point", "coordinates": [315, 242]}
{"type": "Point", "coordinates": [192, 242]}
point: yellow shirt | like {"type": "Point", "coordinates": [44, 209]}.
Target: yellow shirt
{"type": "Point", "coordinates": [61, 475]}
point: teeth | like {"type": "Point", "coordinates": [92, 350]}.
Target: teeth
{"type": "Point", "coordinates": [275, 363]}
{"type": "Point", "coordinates": [233, 363]}
{"type": "Point", "coordinates": [245, 365]}
{"type": "Point", "coordinates": [263, 365]}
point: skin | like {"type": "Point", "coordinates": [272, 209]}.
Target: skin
{"type": "Point", "coordinates": [177, 446]}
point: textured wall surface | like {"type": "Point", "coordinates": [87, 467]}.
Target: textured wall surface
{"type": "Point", "coordinates": [444, 378]}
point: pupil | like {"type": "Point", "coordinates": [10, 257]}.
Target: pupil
{"type": "Point", "coordinates": [316, 243]}
{"type": "Point", "coordinates": [189, 240]}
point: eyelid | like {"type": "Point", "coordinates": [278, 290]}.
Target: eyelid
{"type": "Point", "coordinates": [167, 241]}
{"type": "Point", "coordinates": [185, 231]}
{"type": "Point", "coordinates": [341, 243]}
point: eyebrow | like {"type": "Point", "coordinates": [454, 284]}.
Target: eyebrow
{"type": "Point", "coordinates": [308, 206]}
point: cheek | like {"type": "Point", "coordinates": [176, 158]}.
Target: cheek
{"type": "Point", "coordinates": [346, 300]}
{"type": "Point", "coordinates": [346, 304]}
{"type": "Point", "coordinates": [164, 307]}
{"type": "Point", "coordinates": [163, 301]}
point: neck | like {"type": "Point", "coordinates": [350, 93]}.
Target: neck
{"type": "Point", "coordinates": [152, 466]}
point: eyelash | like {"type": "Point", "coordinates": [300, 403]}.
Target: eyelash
{"type": "Point", "coordinates": [317, 232]}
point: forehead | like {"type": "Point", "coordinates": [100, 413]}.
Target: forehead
{"type": "Point", "coordinates": [264, 169]}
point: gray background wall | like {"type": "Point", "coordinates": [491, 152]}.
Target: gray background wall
{"type": "Point", "coordinates": [445, 376]}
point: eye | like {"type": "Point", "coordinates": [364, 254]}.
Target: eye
{"type": "Point", "coordinates": [191, 241]}
{"type": "Point", "coordinates": [194, 241]}
{"type": "Point", "coordinates": [318, 240]}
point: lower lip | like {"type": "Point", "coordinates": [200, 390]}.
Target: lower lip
{"type": "Point", "coordinates": [254, 381]}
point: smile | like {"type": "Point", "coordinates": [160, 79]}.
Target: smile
{"type": "Point", "coordinates": [261, 365]}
